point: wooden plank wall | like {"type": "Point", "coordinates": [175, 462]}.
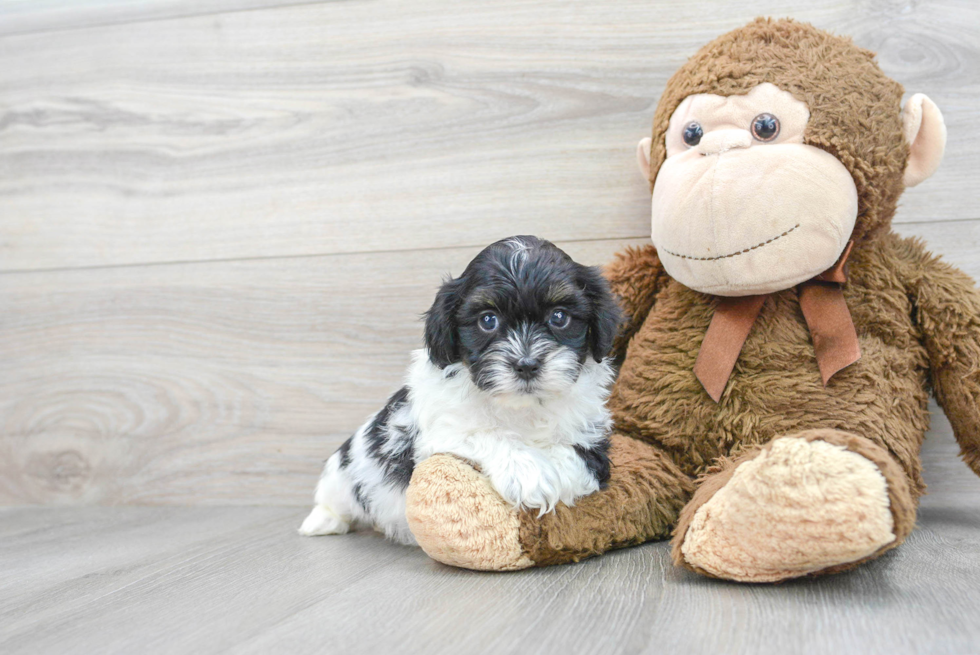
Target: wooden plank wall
{"type": "Point", "coordinates": [220, 220]}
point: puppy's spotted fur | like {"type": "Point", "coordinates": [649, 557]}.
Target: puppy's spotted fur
{"type": "Point", "coordinates": [513, 378]}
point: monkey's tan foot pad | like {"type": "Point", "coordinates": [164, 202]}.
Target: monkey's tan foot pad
{"type": "Point", "coordinates": [800, 506]}
{"type": "Point", "coordinates": [459, 519]}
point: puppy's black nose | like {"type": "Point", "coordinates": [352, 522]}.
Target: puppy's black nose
{"type": "Point", "coordinates": [527, 367]}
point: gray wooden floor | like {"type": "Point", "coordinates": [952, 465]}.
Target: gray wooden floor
{"type": "Point", "coordinates": [239, 579]}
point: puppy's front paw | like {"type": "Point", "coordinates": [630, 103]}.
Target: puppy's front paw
{"type": "Point", "coordinates": [459, 519]}
{"type": "Point", "coordinates": [532, 490]}
{"type": "Point", "coordinates": [322, 520]}
{"type": "Point", "coordinates": [536, 483]}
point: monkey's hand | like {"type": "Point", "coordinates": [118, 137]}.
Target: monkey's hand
{"type": "Point", "coordinates": [459, 519]}
{"type": "Point", "coordinates": [948, 313]}
{"type": "Point", "coordinates": [636, 276]}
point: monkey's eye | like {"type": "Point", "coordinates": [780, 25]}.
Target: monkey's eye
{"type": "Point", "coordinates": [559, 319]}
{"type": "Point", "coordinates": [765, 127]}
{"type": "Point", "coordinates": [488, 322]}
{"type": "Point", "coordinates": [693, 133]}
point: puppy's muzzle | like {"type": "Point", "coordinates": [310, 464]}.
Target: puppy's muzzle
{"type": "Point", "coordinates": [527, 368]}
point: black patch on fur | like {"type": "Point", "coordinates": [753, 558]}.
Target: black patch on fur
{"type": "Point", "coordinates": [397, 463]}
{"type": "Point", "coordinates": [400, 465]}
{"type": "Point", "coordinates": [606, 318]}
{"type": "Point", "coordinates": [344, 451]}
{"type": "Point", "coordinates": [596, 460]}
{"type": "Point", "coordinates": [358, 491]}
{"type": "Point", "coordinates": [441, 327]}
{"type": "Point", "coordinates": [377, 432]}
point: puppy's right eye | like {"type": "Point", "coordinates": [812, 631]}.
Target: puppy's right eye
{"type": "Point", "coordinates": [559, 319]}
{"type": "Point", "coordinates": [488, 322]}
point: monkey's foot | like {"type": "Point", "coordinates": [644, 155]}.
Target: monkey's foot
{"type": "Point", "coordinates": [459, 519]}
{"type": "Point", "coordinates": [815, 502]}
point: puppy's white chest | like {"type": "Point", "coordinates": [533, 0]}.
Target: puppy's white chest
{"type": "Point", "coordinates": [523, 473]}
{"type": "Point", "coordinates": [526, 446]}
{"type": "Point", "coordinates": [528, 467]}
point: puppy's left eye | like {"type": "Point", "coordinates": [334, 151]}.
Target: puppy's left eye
{"type": "Point", "coordinates": [488, 322]}
{"type": "Point", "coordinates": [559, 319]}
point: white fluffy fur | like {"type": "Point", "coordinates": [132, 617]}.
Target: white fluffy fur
{"type": "Point", "coordinates": [523, 442]}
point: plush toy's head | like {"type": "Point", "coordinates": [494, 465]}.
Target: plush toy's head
{"type": "Point", "coordinates": [774, 146]}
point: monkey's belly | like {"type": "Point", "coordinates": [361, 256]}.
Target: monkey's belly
{"type": "Point", "coordinates": [775, 388]}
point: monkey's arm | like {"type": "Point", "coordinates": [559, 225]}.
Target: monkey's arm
{"type": "Point", "coordinates": [635, 276]}
{"type": "Point", "coordinates": [458, 518]}
{"type": "Point", "coordinates": [947, 310]}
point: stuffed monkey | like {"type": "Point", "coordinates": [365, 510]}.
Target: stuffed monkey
{"type": "Point", "coordinates": [782, 340]}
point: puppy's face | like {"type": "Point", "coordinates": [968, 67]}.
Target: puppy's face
{"type": "Point", "coordinates": [524, 318]}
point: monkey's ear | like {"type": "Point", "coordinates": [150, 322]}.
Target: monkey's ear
{"type": "Point", "coordinates": [441, 336]}
{"type": "Point", "coordinates": [925, 131]}
{"type": "Point", "coordinates": [643, 156]}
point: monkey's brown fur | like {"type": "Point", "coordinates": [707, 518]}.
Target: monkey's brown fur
{"type": "Point", "coordinates": [917, 320]}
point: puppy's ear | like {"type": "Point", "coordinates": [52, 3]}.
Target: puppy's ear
{"type": "Point", "coordinates": [606, 318]}
{"type": "Point", "coordinates": [441, 335]}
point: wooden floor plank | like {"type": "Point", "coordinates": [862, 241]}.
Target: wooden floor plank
{"type": "Point", "coordinates": [210, 580]}
{"type": "Point", "coordinates": [239, 567]}
{"type": "Point", "coordinates": [375, 126]}
{"type": "Point", "coordinates": [33, 16]}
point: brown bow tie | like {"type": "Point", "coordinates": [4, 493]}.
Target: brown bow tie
{"type": "Point", "coordinates": [822, 301]}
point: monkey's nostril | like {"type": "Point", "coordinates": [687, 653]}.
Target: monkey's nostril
{"type": "Point", "coordinates": [527, 367]}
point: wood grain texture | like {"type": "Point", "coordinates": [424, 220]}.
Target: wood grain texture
{"type": "Point", "coordinates": [215, 383]}
{"type": "Point", "coordinates": [214, 580]}
{"type": "Point", "coordinates": [33, 16]}
{"type": "Point", "coordinates": [376, 126]}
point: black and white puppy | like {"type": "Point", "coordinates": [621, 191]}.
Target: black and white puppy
{"type": "Point", "coordinates": [514, 378]}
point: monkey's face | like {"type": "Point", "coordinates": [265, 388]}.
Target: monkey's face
{"type": "Point", "coordinates": [742, 205]}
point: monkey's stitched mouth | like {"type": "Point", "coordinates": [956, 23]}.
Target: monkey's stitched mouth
{"type": "Point", "coordinates": [733, 254]}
